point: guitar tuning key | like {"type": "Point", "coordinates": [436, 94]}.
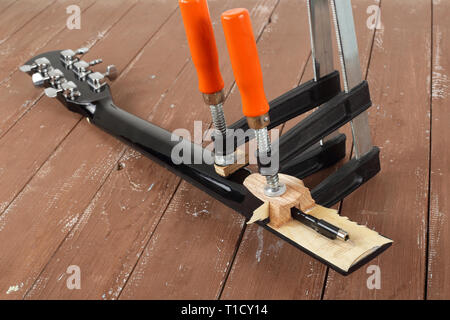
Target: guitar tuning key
{"type": "Point", "coordinates": [97, 80]}
{"type": "Point", "coordinates": [81, 51]}
{"type": "Point", "coordinates": [111, 72]}
{"type": "Point", "coordinates": [80, 68]}
{"type": "Point", "coordinates": [54, 76]}
{"type": "Point", "coordinates": [68, 89]}
{"type": "Point", "coordinates": [40, 64]}
{"type": "Point", "coordinates": [68, 57]}
{"type": "Point", "coordinates": [52, 92]}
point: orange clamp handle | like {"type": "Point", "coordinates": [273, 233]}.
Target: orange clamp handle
{"type": "Point", "coordinates": [200, 35]}
{"type": "Point", "coordinates": [245, 61]}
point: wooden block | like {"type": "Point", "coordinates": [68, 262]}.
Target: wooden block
{"type": "Point", "coordinates": [296, 195]}
{"type": "Point", "coordinates": [363, 241]}
{"type": "Point", "coordinates": [242, 161]}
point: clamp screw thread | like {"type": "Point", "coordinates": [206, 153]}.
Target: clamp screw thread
{"type": "Point", "coordinates": [218, 118]}
{"type": "Point", "coordinates": [273, 187]}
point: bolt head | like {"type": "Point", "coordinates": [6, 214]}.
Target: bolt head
{"type": "Point", "coordinates": [271, 192]}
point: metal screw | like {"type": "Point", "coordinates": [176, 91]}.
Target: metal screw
{"type": "Point", "coordinates": [215, 102]}
{"type": "Point", "coordinates": [273, 186]}
{"type": "Point", "coordinates": [218, 118]}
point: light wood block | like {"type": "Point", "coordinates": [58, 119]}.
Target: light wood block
{"type": "Point", "coordinates": [296, 195]}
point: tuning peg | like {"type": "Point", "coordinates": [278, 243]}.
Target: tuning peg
{"type": "Point", "coordinates": [97, 79]}
{"type": "Point", "coordinates": [82, 51]}
{"type": "Point", "coordinates": [54, 76]}
{"type": "Point", "coordinates": [111, 72]}
{"type": "Point", "coordinates": [68, 56]}
{"type": "Point", "coordinates": [81, 67]}
{"type": "Point", "coordinates": [52, 92]}
{"type": "Point", "coordinates": [27, 68]}
{"type": "Point", "coordinates": [68, 89]}
{"type": "Point", "coordinates": [40, 64]}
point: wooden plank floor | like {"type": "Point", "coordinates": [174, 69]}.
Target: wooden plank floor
{"type": "Point", "coordinates": [141, 232]}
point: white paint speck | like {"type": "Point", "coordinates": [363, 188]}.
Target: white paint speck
{"type": "Point", "coordinates": [259, 234]}
{"type": "Point", "coordinates": [14, 288]}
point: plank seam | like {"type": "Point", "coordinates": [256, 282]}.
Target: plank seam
{"type": "Point", "coordinates": [27, 22]}
{"type": "Point", "coordinates": [33, 285]}
{"type": "Point", "coordinates": [427, 248]}
{"type": "Point", "coordinates": [150, 238]}
{"type": "Point", "coordinates": [8, 6]}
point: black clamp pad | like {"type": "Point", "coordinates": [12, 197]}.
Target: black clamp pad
{"type": "Point", "coordinates": [347, 179]}
{"type": "Point", "coordinates": [316, 158]}
{"type": "Point", "coordinates": [297, 101]}
{"type": "Point", "coordinates": [324, 121]}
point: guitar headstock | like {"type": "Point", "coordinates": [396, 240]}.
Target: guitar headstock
{"type": "Point", "coordinates": [65, 76]}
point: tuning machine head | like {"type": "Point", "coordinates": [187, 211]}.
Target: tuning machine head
{"type": "Point", "coordinates": [55, 76]}
{"type": "Point", "coordinates": [81, 67]}
{"type": "Point", "coordinates": [68, 57]}
{"type": "Point", "coordinates": [67, 89]}
{"type": "Point", "coordinates": [40, 65]}
{"type": "Point", "coordinates": [97, 80]}
{"type": "Point", "coordinates": [111, 72]}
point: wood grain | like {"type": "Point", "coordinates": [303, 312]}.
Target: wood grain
{"type": "Point", "coordinates": [439, 210]}
{"type": "Point", "coordinates": [18, 14]}
{"type": "Point", "coordinates": [279, 210]}
{"type": "Point", "coordinates": [395, 202]}
{"type": "Point", "coordinates": [6, 4]}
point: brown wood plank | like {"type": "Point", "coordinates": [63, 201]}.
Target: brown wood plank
{"type": "Point", "coordinates": [395, 201]}
{"type": "Point", "coordinates": [46, 222]}
{"type": "Point", "coordinates": [108, 282]}
{"type": "Point", "coordinates": [439, 225]}
{"type": "Point", "coordinates": [6, 4]}
{"type": "Point", "coordinates": [262, 257]}
{"type": "Point", "coordinates": [17, 15]}
{"type": "Point", "coordinates": [37, 131]}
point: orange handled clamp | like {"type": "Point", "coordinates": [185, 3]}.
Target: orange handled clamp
{"type": "Point", "coordinates": [245, 61]}
{"type": "Point", "coordinates": [200, 35]}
